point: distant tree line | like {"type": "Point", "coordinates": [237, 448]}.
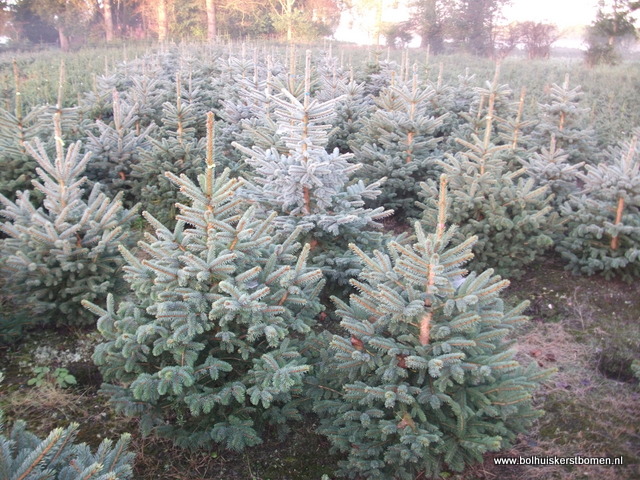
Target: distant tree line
{"type": "Point", "coordinates": [468, 25]}
{"type": "Point", "coordinates": [471, 26]}
{"type": "Point", "coordinates": [75, 21]}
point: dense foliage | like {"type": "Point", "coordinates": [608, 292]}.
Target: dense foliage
{"type": "Point", "coordinates": [205, 350]}
{"type": "Point", "coordinates": [216, 339]}
{"type": "Point", "coordinates": [425, 377]}
{"type": "Point", "coordinates": [66, 250]}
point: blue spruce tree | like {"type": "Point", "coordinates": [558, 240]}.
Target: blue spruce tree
{"type": "Point", "coordinates": [603, 220]}
{"type": "Point", "coordinates": [67, 250]}
{"type": "Point", "coordinates": [310, 188]}
{"type": "Point", "coordinates": [205, 350]}
{"type": "Point", "coordinates": [424, 380]}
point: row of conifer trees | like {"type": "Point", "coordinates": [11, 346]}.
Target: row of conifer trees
{"type": "Point", "coordinates": [253, 220]}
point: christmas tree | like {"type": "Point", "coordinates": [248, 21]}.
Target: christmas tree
{"type": "Point", "coordinates": [331, 77]}
{"type": "Point", "coordinates": [66, 250]}
{"type": "Point", "coordinates": [310, 188]}
{"type": "Point", "coordinates": [205, 350]}
{"type": "Point", "coordinates": [116, 148]}
{"type": "Point", "coordinates": [16, 129]}
{"type": "Point", "coordinates": [551, 167]}
{"type": "Point", "coordinates": [424, 380]}
{"type": "Point", "coordinates": [603, 231]}
{"type": "Point", "coordinates": [352, 108]}
{"type": "Point", "coordinates": [248, 113]}
{"type": "Point", "coordinates": [512, 216]}
{"type": "Point", "coordinates": [564, 118]}
{"type": "Point", "coordinates": [397, 142]}
{"type": "Point", "coordinates": [174, 148]}
{"type": "Point", "coordinates": [489, 111]}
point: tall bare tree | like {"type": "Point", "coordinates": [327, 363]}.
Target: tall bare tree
{"type": "Point", "coordinates": [67, 16]}
{"type": "Point", "coordinates": [212, 21]}
{"type": "Point", "coordinates": [108, 20]}
{"type": "Point", "coordinates": [163, 20]}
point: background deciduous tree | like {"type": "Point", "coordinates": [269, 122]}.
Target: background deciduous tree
{"type": "Point", "coordinates": [468, 24]}
{"type": "Point", "coordinates": [612, 28]}
{"type": "Point", "coordinates": [66, 16]}
{"type": "Point", "coordinates": [429, 22]}
{"type": "Point", "coordinates": [472, 22]}
{"type": "Point", "coordinates": [212, 20]}
{"type": "Point", "coordinates": [304, 18]}
{"type": "Point", "coordinates": [537, 38]}
{"type": "Point", "coordinates": [108, 20]}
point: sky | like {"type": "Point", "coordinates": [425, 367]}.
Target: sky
{"type": "Point", "coordinates": [563, 13]}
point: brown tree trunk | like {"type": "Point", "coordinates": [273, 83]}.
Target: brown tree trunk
{"type": "Point", "coordinates": [289, 14]}
{"type": "Point", "coordinates": [212, 21]}
{"type": "Point", "coordinates": [163, 25]}
{"type": "Point", "coordinates": [64, 40]}
{"type": "Point", "coordinates": [108, 21]}
{"type": "Point", "coordinates": [379, 7]}
{"type": "Point", "coordinates": [615, 241]}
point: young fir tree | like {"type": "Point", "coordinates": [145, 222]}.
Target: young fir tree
{"type": "Point", "coordinates": [514, 130]}
{"type": "Point", "coordinates": [565, 119]}
{"type": "Point", "coordinates": [378, 75]}
{"type": "Point", "coordinates": [149, 90]}
{"type": "Point", "coordinates": [97, 103]}
{"type": "Point", "coordinates": [66, 250]}
{"type": "Point", "coordinates": [69, 117]}
{"type": "Point", "coordinates": [116, 149]}
{"type": "Point", "coordinates": [248, 115]}
{"type": "Point", "coordinates": [551, 167]}
{"type": "Point", "coordinates": [205, 350]}
{"type": "Point", "coordinates": [176, 148]}
{"type": "Point", "coordinates": [491, 106]}
{"type": "Point", "coordinates": [16, 129]}
{"type": "Point", "coordinates": [464, 93]}
{"type": "Point", "coordinates": [256, 101]}
{"type": "Point", "coordinates": [447, 101]}
{"type": "Point", "coordinates": [424, 380]}
{"type": "Point", "coordinates": [604, 220]}
{"type": "Point", "coordinates": [397, 142]}
{"type": "Point", "coordinates": [352, 109]}
{"type": "Point", "coordinates": [511, 216]}
{"type": "Point", "coordinates": [310, 188]}
{"type": "Point", "coordinates": [331, 77]}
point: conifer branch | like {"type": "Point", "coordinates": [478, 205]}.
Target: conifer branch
{"type": "Point", "coordinates": [51, 442]}
{"type": "Point", "coordinates": [563, 114]}
{"type": "Point", "coordinates": [179, 129]}
{"type": "Point", "coordinates": [517, 124]}
{"type": "Point", "coordinates": [442, 208]}
{"type": "Point", "coordinates": [210, 171]}
{"type": "Point", "coordinates": [615, 240]}
{"type": "Point", "coordinates": [61, 82]}
{"type": "Point", "coordinates": [305, 127]}
{"type": "Point", "coordinates": [18, 100]}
